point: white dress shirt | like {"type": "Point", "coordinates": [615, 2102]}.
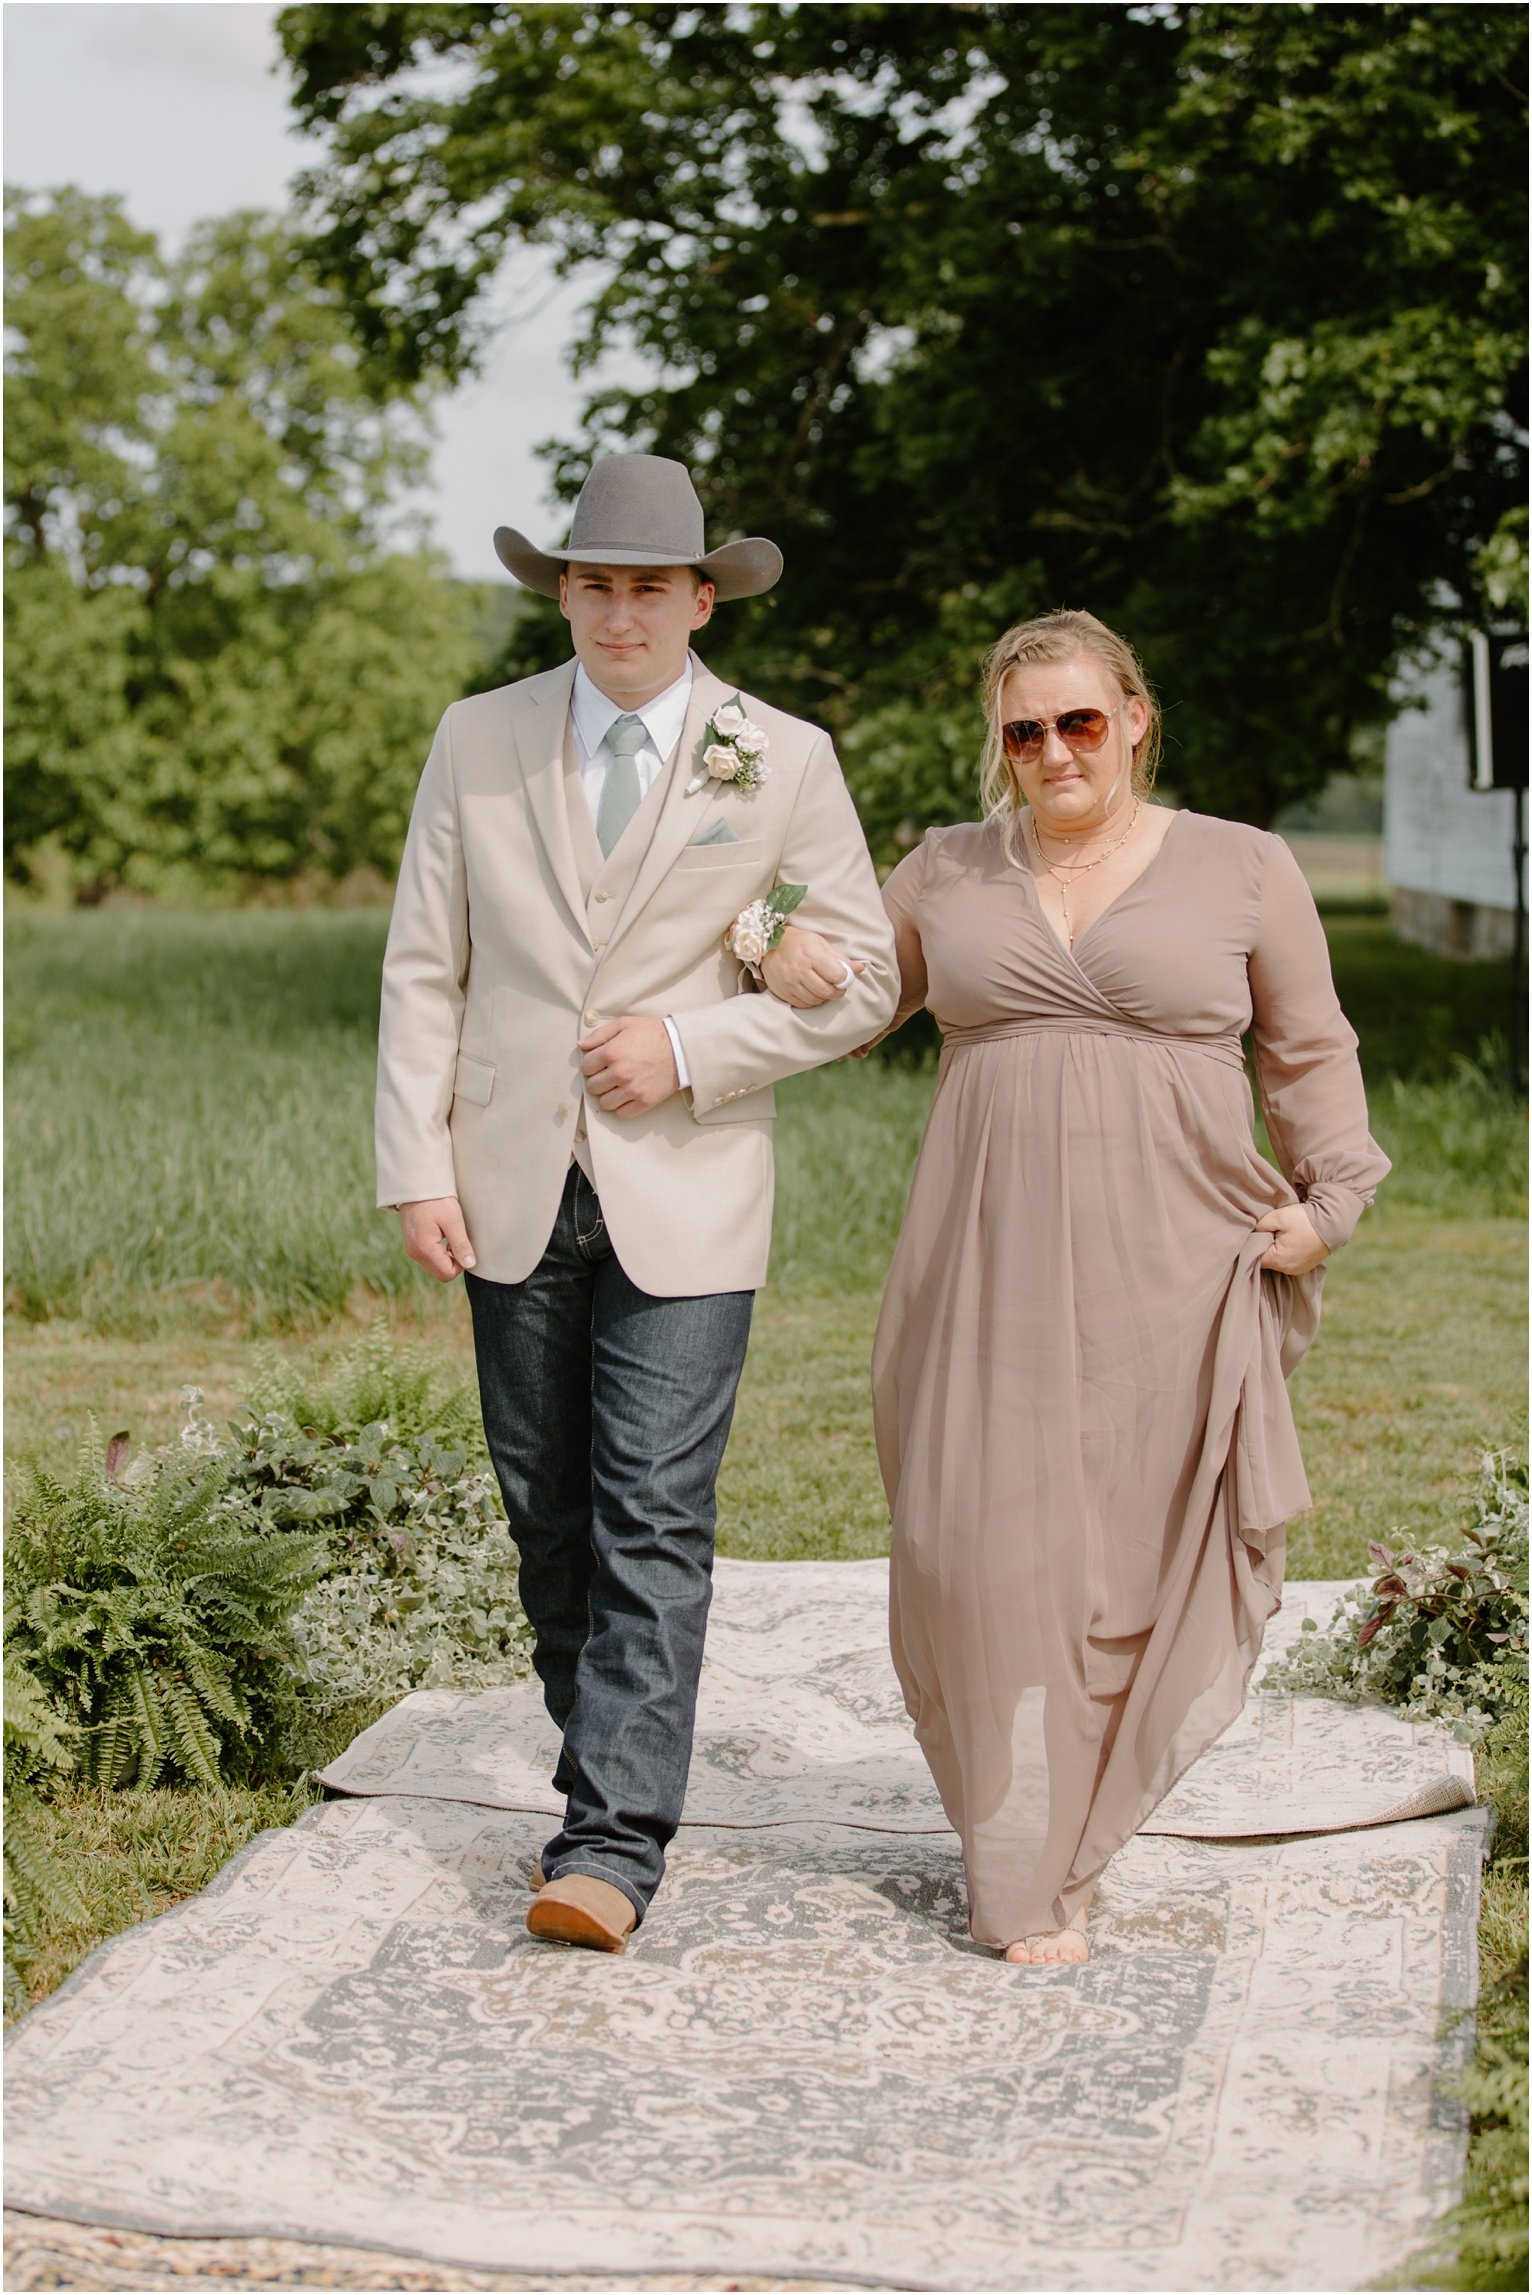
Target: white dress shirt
{"type": "Point", "coordinates": [593, 714]}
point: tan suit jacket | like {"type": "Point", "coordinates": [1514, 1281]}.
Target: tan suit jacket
{"type": "Point", "coordinates": [511, 935]}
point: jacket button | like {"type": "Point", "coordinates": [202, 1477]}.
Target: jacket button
{"type": "Point", "coordinates": [561, 1112]}
{"type": "Point", "coordinates": [602, 893]}
{"type": "Point", "coordinates": [597, 946]}
{"type": "Point", "coordinates": [592, 1018]}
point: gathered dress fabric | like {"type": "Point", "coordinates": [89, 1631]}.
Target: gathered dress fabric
{"type": "Point", "coordinates": [1080, 1368]}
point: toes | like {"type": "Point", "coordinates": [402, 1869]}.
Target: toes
{"type": "Point", "coordinates": [1064, 1947]}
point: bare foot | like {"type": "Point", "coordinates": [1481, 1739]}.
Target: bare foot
{"type": "Point", "coordinates": [1056, 1947]}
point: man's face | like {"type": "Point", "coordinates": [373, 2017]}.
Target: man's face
{"type": "Point", "coordinates": [632, 625]}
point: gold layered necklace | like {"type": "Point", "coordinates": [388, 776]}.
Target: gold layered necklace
{"type": "Point", "coordinates": [1063, 875]}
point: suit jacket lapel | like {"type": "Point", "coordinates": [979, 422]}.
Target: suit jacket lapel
{"type": "Point", "coordinates": [540, 746]}
{"type": "Point", "coordinates": [679, 820]}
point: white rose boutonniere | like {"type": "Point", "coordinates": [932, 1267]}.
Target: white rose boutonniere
{"type": "Point", "coordinates": [735, 752]}
{"type": "Point", "coordinates": [757, 929]}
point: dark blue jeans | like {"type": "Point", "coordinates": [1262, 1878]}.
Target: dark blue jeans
{"type": "Point", "coordinates": [606, 1413]}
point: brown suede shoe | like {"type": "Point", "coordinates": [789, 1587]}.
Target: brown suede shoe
{"type": "Point", "coordinates": [539, 1877]}
{"type": "Point", "coordinates": [579, 1909]}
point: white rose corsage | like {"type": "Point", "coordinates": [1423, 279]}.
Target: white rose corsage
{"type": "Point", "coordinates": [757, 929]}
{"type": "Point", "coordinates": [735, 752]}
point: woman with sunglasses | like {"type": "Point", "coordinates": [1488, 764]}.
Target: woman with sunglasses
{"type": "Point", "coordinates": [1100, 1286]}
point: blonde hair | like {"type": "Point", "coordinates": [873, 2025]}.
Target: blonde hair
{"type": "Point", "coordinates": [1059, 637]}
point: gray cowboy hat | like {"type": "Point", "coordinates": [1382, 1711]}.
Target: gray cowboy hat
{"type": "Point", "coordinates": [641, 510]}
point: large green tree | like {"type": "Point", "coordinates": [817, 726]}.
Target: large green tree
{"type": "Point", "coordinates": [1208, 318]}
{"type": "Point", "coordinates": [218, 669]}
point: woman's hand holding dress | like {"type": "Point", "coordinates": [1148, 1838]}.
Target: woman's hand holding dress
{"type": "Point", "coordinates": [1296, 1248]}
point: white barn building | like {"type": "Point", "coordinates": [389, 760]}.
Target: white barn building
{"type": "Point", "coordinates": [1448, 847]}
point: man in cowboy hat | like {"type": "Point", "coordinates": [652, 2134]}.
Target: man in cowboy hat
{"type": "Point", "coordinates": [575, 1108]}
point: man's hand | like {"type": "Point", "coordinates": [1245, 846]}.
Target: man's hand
{"type": "Point", "coordinates": [803, 970]}
{"type": "Point", "coordinates": [434, 1236]}
{"type": "Point", "coordinates": [629, 1066]}
{"type": "Point", "coordinates": [1295, 1244]}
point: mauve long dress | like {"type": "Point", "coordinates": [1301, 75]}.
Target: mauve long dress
{"type": "Point", "coordinates": [1080, 1369]}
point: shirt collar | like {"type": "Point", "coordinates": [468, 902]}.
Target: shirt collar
{"type": "Point", "coordinates": [664, 717]}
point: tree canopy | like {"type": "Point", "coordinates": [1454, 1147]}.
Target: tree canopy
{"type": "Point", "coordinates": [1208, 318]}
{"type": "Point", "coordinates": [218, 668]}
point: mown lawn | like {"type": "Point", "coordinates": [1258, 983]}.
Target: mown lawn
{"type": "Point", "coordinates": [189, 1182]}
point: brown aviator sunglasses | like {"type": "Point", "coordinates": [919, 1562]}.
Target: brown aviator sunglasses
{"type": "Point", "coordinates": [1082, 730]}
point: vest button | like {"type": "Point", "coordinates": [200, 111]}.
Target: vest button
{"type": "Point", "coordinates": [561, 1112]}
{"type": "Point", "coordinates": [592, 1018]}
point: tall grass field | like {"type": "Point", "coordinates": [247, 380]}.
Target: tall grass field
{"type": "Point", "coordinates": [189, 1169]}
{"type": "Point", "coordinates": [189, 1193]}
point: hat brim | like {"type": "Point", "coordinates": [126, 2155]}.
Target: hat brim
{"type": "Point", "coordinates": [736, 570]}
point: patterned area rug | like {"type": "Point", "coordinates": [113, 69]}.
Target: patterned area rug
{"type": "Point", "coordinates": [802, 2072]}
{"type": "Point", "coordinates": [800, 1717]}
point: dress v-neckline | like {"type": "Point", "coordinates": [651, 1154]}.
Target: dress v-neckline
{"type": "Point", "coordinates": [1116, 901]}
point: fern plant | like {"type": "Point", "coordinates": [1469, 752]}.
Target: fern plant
{"type": "Point", "coordinates": [372, 1382]}
{"type": "Point", "coordinates": [156, 1615]}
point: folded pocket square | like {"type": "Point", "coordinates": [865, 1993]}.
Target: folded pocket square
{"type": "Point", "coordinates": [717, 833]}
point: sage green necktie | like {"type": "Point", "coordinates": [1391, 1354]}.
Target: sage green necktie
{"type": "Point", "coordinates": [621, 797]}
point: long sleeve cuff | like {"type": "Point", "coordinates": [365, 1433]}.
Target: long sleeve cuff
{"type": "Point", "coordinates": [683, 1073]}
{"type": "Point", "coordinates": [1334, 1210]}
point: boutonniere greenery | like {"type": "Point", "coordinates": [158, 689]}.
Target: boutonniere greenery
{"type": "Point", "coordinates": [735, 752]}
{"type": "Point", "coordinates": [757, 929]}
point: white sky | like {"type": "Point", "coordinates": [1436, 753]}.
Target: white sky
{"type": "Point", "coordinates": [178, 105]}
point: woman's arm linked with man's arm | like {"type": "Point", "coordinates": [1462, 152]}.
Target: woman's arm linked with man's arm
{"type": "Point", "coordinates": [805, 969]}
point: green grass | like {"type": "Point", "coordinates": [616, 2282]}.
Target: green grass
{"type": "Point", "coordinates": [190, 1119]}
{"type": "Point", "coordinates": [132, 1855]}
{"type": "Point", "coordinates": [190, 1168]}
{"type": "Point", "coordinates": [1417, 1015]}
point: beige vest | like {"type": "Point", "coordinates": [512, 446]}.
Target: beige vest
{"type": "Point", "coordinates": [606, 879]}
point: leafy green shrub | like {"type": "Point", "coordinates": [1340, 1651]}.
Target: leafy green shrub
{"type": "Point", "coordinates": [154, 1613]}
{"type": "Point", "coordinates": [1442, 1631]}
{"type": "Point", "coordinates": [420, 1592]}
{"type": "Point", "coordinates": [191, 1609]}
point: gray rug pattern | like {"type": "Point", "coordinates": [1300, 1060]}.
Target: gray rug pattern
{"type": "Point", "coordinates": [802, 2068]}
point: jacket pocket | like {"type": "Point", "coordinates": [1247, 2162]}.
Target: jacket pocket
{"type": "Point", "coordinates": [749, 1108]}
{"type": "Point", "coordinates": [737, 853]}
{"type": "Point", "coordinates": [474, 1080]}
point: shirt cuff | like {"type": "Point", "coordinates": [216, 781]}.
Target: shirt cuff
{"type": "Point", "coordinates": [683, 1073]}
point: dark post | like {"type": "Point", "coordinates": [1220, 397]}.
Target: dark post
{"type": "Point", "coordinates": [1495, 671]}
{"type": "Point", "coordinates": [1519, 934]}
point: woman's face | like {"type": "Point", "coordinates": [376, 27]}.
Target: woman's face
{"type": "Point", "coordinates": [1074, 789]}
